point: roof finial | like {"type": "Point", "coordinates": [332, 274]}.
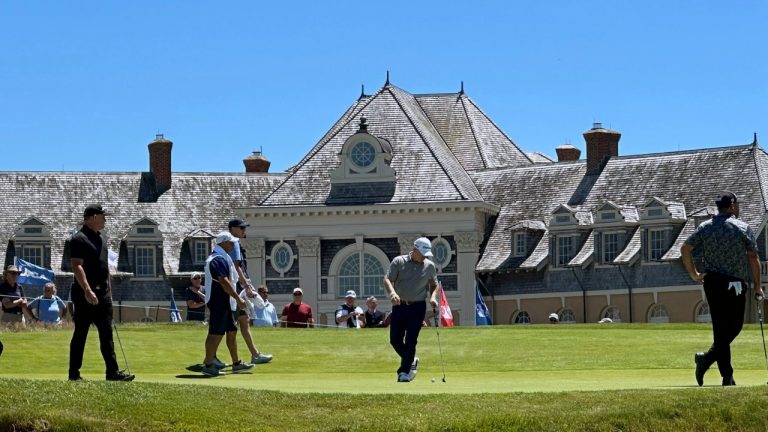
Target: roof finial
{"type": "Point", "coordinates": [387, 84]}
{"type": "Point", "coordinates": [461, 92]}
{"type": "Point", "coordinates": [754, 140]}
{"type": "Point", "coordinates": [363, 125]}
{"type": "Point", "coordinates": [362, 92]}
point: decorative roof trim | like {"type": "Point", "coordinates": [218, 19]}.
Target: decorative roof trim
{"type": "Point", "coordinates": [378, 209]}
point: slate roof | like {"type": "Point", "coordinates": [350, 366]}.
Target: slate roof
{"type": "Point", "coordinates": [438, 138]}
{"type": "Point", "coordinates": [196, 201]}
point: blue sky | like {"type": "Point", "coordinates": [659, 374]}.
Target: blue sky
{"type": "Point", "coordinates": [84, 86]}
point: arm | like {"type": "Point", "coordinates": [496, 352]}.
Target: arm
{"type": "Point", "coordinates": [77, 268]}
{"type": "Point", "coordinates": [226, 285]}
{"type": "Point", "coordinates": [433, 294]}
{"type": "Point", "coordinates": [754, 266]}
{"type": "Point", "coordinates": [686, 255]}
{"type": "Point", "coordinates": [244, 281]}
{"type": "Point", "coordinates": [390, 289]}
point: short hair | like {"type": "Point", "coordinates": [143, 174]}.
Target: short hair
{"type": "Point", "coordinates": [50, 284]}
{"type": "Point", "coordinates": [261, 288]}
{"type": "Point", "coordinates": [371, 298]}
{"type": "Point", "coordinates": [725, 200]}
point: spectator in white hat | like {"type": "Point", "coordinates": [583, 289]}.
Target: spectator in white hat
{"type": "Point", "coordinates": [349, 314]}
{"type": "Point", "coordinates": [297, 313]}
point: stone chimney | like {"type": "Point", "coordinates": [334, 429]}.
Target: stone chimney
{"type": "Point", "coordinates": [567, 153]}
{"type": "Point", "coordinates": [160, 162]}
{"type": "Point", "coordinates": [256, 163]}
{"type": "Point", "coordinates": [602, 144]}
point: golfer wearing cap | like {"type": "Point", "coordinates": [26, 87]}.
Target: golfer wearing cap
{"type": "Point", "coordinates": [92, 294]}
{"type": "Point", "coordinates": [410, 280]}
{"type": "Point", "coordinates": [728, 254]}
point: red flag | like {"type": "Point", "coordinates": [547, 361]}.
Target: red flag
{"type": "Point", "coordinates": [446, 317]}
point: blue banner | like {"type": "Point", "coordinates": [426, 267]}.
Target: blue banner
{"type": "Point", "coordinates": [482, 315]}
{"type": "Point", "coordinates": [175, 314]}
{"type": "Point", "coordinates": [32, 274]}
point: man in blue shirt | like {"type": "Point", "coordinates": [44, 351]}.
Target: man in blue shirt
{"type": "Point", "coordinates": [266, 316]}
{"type": "Point", "coordinates": [728, 253]}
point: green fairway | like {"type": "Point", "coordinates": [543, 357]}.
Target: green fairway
{"type": "Point", "coordinates": [545, 377]}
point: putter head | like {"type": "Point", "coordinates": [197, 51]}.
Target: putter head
{"type": "Point", "coordinates": [443, 379]}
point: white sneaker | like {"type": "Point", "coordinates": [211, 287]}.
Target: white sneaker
{"type": "Point", "coordinates": [411, 375]}
{"type": "Point", "coordinates": [261, 358]}
{"type": "Point", "coordinates": [403, 377]}
{"type": "Point", "coordinates": [415, 363]}
{"type": "Point", "coordinates": [241, 366]}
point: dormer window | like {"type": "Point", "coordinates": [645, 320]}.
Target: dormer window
{"type": "Point", "coordinates": [655, 212]}
{"type": "Point", "coordinates": [362, 155]}
{"type": "Point", "coordinates": [364, 159]}
{"type": "Point", "coordinates": [520, 244]}
{"type": "Point", "coordinates": [607, 216]}
{"type": "Point", "coordinates": [32, 242]}
{"type": "Point", "coordinates": [562, 219]}
{"type": "Point", "coordinates": [144, 244]}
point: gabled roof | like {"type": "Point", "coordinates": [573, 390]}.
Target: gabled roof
{"type": "Point", "coordinates": [426, 169]}
{"type": "Point", "coordinates": [195, 201]}
{"type": "Point", "coordinates": [631, 251]}
{"type": "Point", "coordinates": [475, 140]}
{"type": "Point", "coordinates": [586, 254]}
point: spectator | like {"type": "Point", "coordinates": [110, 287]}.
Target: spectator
{"type": "Point", "coordinates": [266, 316]}
{"type": "Point", "coordinates": [373, 316]}
{"type": "Point", "coordinates": [14, 304]}
{"type": "Point", "coordinates": [195, 296]}
{"type": "Point", "coordinates": [296, 313]}
{"type": "Point", "coordinates": [554, 318]}
{"type": "Point", "coordinates": [49, 308]}
{"type": "Point", "coordinates": [349, 314]}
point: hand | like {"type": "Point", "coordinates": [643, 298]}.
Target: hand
{"type": "Point", "coordinates": [759, 294]}
{"type": "Point", "coordinates": [395, 299]}
{"type": "Point", "coordinates": [90, 297]}
{"type": "Point", "coordinates": [240, 303]}
{"type": "Point", "coordinates": [698, 277]}
{"type": "Point", "coordinates": [434, 303]}
{"type": "Point", "coordinates": [22, 302]}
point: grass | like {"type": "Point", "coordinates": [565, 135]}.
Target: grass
{"type": "Point", "coordinates": [578, 377]}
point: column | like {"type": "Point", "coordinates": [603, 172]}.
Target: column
{"type": "Point", "coordinates": [309, 270]}
{"type": "Point", "coordinates": [467, 254]}
{"type": "Point", "coordinates": [254, 248]}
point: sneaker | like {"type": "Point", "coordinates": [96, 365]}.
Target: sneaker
{"type": "Point", "coordinates": [403, 377]}
{"type": "Point", "coordinates": [415, 363]}
{"type": "Point", "coordinates": [261, 358]}
{"type": "Point", "coordinates": [728, 381]}
{"type": "Point", "coordinates": [77, 378]}
{"type": "Point", "coordinates": [218, 364]}
{"type": "Point", "coordinates": [701, 368]}
{"type": "Point", "coordinates": [120, 376]}
{"type": "Point", "coordinates": [211, 370]}
{"type": "Point", "coordinates": [412, 375]}
{"type": "Point", "coordinates": [241, 366]}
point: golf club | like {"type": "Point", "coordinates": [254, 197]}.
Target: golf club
{"type": "Point", "coordinates": [121, 347]}
{"type": "Point", "coordinates": [760, 320]}
{"type": "Point", "coordinates": [439, 347]}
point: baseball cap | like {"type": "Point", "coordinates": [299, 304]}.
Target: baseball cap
{"type": "Point", "coordinates": [554, 316]}
{"type": "Point", "coordinates": [239, 223]}
{"type": "Point", "coordinates": [350, 293]}
{"type": "Point", "coordinates": [12, 269]}
{"type": "Point", "coordinates": [95, 209]}
{"type": "Point", "coordinates": [424, 246]}
{"type": "Point", "coordinates": [225, 237]}
{"type": "Point", "coordinates": [298, 290]}
{"type": "Point", "coordinates": [725, 200]}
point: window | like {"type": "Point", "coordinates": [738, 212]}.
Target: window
{"type": "Point", "coordinates": [655, 212]}
{"type": "Point", "coordinates": [145, 261]}
{"type": "Point", "coordinates": [441, 251]}
{"type": "Point", "coordinates": [567, 316]}
{"type": "Point", "coordinates": [522, 317]}
{"type": "Point", "coordinates": [562, 219]}
{"type": "Point", "coordinates": [282, 258]}
{"type": "Point", "coordinates": [145, 230]}
{"type": "Point", "coordinates": [520, 244]}
{"type": "Point", "coordinates": [658, 314]}
{"type": "Point", "coordinates": [608, 215]}
{"type": "Point", "coordinates": [657, 244]}
{"type": "Point", "coordinates": [202, 249]}
{"type": "Point", "coordinates": [363, 154]}
{"type": "Point", "coordinates": [610, 247]}
{"type": "Point", "coordinates": [32, 254]}
{"type": "Point", "coordinates": [369, 276]}
{"type": "Point", "coordinates": [613, 313]}
{"type": "Point", "coordinates": [33, 230]}
{"type": "Point", "coordinates": [565, 250]}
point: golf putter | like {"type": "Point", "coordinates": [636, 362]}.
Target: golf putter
{"type": "Point", "coordinates": [439, 347]}
{"type": "Point", "coordinates": [762, 333]}
{"type": "Point", "coordinates": [121, 347]}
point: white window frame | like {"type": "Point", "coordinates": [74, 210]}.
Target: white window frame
{"type": "Point", "coordinates": [521, 317]}
{"type": "Point", "coordinates": [206, 244]}
{"type": "Point", "coordinates": [36, 247]}
{"type": "Point", "coordinates": [152, 256]}
{"type": "Point", "coordinates": [334, 287]}
{"type": "Point", "coordinates": [604, 250]}
{"type": "Point", "coordinates": [567, 316]}
{"type": "Point", "coordinates": [658, 314]}
{"type": "Point", "coordinates": [449, 255]}
{"type": "Point", "coordinates": [608, 215]}
{"type": "Point", "coordinates": [521, 246]}
{"type": "Point", "coordinates": [560, 262]}
{"type": "Point", "coordinates": [662, 248]}
{"type": "Point", "coordinates": [612, 312]}
{"type": "Point", "coordinates": [273, 258]}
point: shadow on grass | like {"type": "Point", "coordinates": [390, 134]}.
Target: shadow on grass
{"type": "Point", "coordinates": [196, 376]}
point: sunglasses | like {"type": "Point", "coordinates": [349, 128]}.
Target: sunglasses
{"type": "Point", "coordinates": [196, 278]}
{"type": "Point", "coordinates": [296, 294]}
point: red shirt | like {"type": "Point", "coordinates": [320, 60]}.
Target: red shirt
{"type": "Point", "coordinates": [297, 315]}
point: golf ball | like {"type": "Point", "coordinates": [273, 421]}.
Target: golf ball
{"type": "Point", "coordinates": [433, 380]}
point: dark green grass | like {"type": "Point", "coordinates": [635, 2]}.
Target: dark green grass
{"type": "Point", "coordinates": [581, 377]}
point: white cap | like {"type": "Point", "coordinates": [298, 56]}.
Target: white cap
{"type": "Point", "coordinates": [424, 246]}
{"type": "Point", "coordinates": [298, 290]}
{"type": "Point", "coordinates": [225, 236]}
{"type": "Point", "coordinates": [350, 293]}
{"type": "Point", "coordinates": [553, 315]}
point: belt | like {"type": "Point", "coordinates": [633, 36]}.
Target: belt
{"type": "Point", "coordinates": [408, 303]}
{"type": "Point", "coordinates": [12, 312]}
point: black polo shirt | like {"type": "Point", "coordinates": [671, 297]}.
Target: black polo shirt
{"type": "Point", "coordinates": [13, 293]}
{"type": "Point", "coordinates": [91, 247]}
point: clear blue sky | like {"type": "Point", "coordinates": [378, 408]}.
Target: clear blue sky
{"type": "Point", "coordinates": [85, 85]}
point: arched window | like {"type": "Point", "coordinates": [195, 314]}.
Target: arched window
{"type": "Point", "coordinates": [613, 313]}
{"type": "Point", "coordinates": [658, 314]}
{"type": "Point", "coordinates": [522, 317]}
{"type": "Point", "coordinates": [360, 269]}
{"type": "Point", "coordinates": [282, 258]}
{"type": "Point", "coordinates": [702, 313]}
{"type": "Point", "coordinates": [567, 316]}
{"type": "Point", "coordinates": [442, 253]}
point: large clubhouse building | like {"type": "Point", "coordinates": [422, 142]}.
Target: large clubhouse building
{"type": "Point", "coordinates": [584, 238]}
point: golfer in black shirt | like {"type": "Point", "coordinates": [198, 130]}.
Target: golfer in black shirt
{"type": "Point", "coordinates": [92, 294]}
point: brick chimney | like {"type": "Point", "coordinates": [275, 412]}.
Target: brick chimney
{"type": "Point", "coordinates": [256, 163]}
{"type": "Point", "coordinates": [160, 162]}
{"type": "Point", "coordinates": [602, 144]}
{"type": "Point", "coordinates": [567, 153]}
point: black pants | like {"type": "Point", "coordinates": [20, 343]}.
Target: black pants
{"type": "Point", "coordinates": [99, 315]}
{"type": "Point", "coordinates": [727, 312]}
{"type": "Point", "coordinates": [404, 332]}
